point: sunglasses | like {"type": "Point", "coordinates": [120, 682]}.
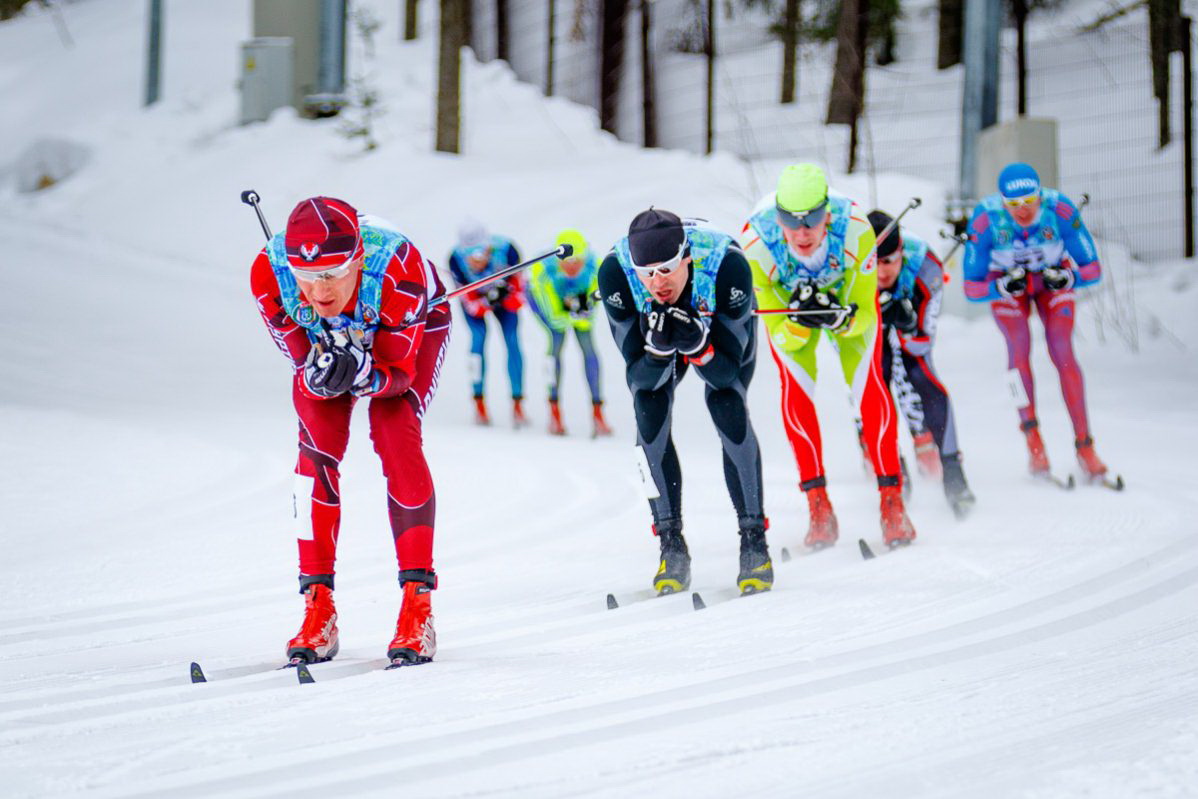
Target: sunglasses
{"type": "Point", "coordinates": [807, 219]}
{"type": "Point", "coordinates": [663, 268]}
{"type": "Point", "coordinates": [312, 275]}
{"type": "Point", "coordinates": [1019, 202]}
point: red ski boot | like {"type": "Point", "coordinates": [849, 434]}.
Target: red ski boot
{"type": "Point", "coordinates": [556, 428]}
{"type": "Point", "coordinates": [415, 639]}
{"type": "Point", "coordinates": [927, 455]}
{"type": "Point", "coordinates": [480, 412]}
{"type": "Point", "coordinates": [823, 529]}
{"type": "Point", "coordinates": [897, 529]}
{"type": "Point", "coordinates": [599, 424]}
{"type": "Point", "coordinates": [1093, 469]}
{"type": "Point", "coordinates": [518, 418]}
{"type": "Point", "coordinates": [1037, 457]}
{"type": "Point", "coordinates": [317, 638]}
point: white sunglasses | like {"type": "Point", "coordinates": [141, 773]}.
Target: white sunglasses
{"type": "Point", "coordinates": [663, 268]}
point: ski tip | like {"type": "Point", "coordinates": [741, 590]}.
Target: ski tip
{"type": "Point", "coordinates": [785, 554]}
{"type": "Point", "coordinates": [303, 675]}
{"type": "Point", "coordinates": [1070, 483]}
{"type": "Point", "coordinates": [197, 674]}
{"type": "Point", "coordinates": [1118, 484]}
{"type": "Point", "coordinates": [698, 601]}
{"type": "Point", "coordinates": [612, 604]}
{"type": "Point", "coordinates": [866, 552]}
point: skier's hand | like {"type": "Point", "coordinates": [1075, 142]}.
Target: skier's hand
{"type": "Point", "coordinates": [657, 326]}
{"type": "Point", "coordinates": [819, 310]}
{"type": "Point", "coordinates": [332, 371]}
{"type": "Point", "coordinates": [898, 312]}
{"type": "Point", "coordinates": [578, 305]}
{"type": "Point", "coordinates": [367, 380]}
{"type": "Point", "coordinates": [688, 330]}
{"type": "Point", "coordinates": [1057, 278]}
{"type": "Point", "coordinates": [1013, 283]}
{"type": "Point", "coordinates": [496, 293]}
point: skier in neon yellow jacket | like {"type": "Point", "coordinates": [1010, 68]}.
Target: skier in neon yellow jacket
{"type": "Point", "coordinates": [561, 294]}
{"type": "Point", "coordinates": [812, 251]}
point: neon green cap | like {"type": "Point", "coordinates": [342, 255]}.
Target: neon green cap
{"type": "Point", "coordinates": [802, 187]}
{"type": "Point", "coordinates": [575, 240]}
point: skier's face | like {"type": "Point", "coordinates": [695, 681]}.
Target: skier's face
{"type": "Point", "coordinates": [571, 266]}
{"type": "Point", "coordinates": [478, 259]}
{"type": "Point", "coordinates": [329, 297]}
{"type": "Point", "coordinates": [666, 288]}
{"type": "Point", "coordinates": [806, 240]}
{"type": "Point", "coordinates": [889, 268]}
{"type": "Point", "coordinates": [1025, 212]}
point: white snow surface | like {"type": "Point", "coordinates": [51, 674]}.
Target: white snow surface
{"type": "Point", "coordinates": [1046, 647]}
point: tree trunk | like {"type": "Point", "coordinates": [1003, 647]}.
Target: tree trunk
{"type": "Point", "coordinates": [501, 30]}
{"type": "Point", "coordinates": [710, 76]}
{"type": "Point", "coordinates": [1019, 13]}
{"type": "Point", "coordinates": [844, 99]}
{"type": "Point", "coordinates": [410, 28]}
{"type": "Point", "coordinates": [611, 62]}
{"type": "Point", "coordinates": [551, 45]}
{"type": "Point", "coordinates": [648, 91]}
{"type": "Point", "coordinates": [951, 34]}
{"type": "Point", "coordinates": [790, 40]}
{"type": "Point", "coordinates": [1164, 23]}
{"type": "Point", "coordinates": [449, 73]}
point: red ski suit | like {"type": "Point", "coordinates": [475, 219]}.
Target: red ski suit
{"type": "Point", "coordinates": [408, 349]}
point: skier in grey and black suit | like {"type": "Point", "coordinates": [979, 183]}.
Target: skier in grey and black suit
{"type": "Point", "coordinates": [678, 295]}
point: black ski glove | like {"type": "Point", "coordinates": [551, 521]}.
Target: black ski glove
{"type": "Point", "coordinates": [1013, 283]}
{"type": "Point", "coordinates": [819, 309]}
{"type": "Point", "coordinates": [577, 305]}
{"type": "Point", "coordinates": [657, 327]}
{"type": "Point", "coordinates": [898, 312]}
{"type": "Point", "coordinates": [332, 371]}
{"type": "Point", "coordinates": [496, 292]}
{"type": "Point", "coordinates": [1057, 278]}
{"type": "Point", "coordinates": [688, 330]}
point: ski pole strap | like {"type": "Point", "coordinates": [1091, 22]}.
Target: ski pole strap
{"type": "Point", "coordinates": [564, 251]}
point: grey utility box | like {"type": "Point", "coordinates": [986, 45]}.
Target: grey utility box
{"type": "Point", "coordinates": [1033, 141]}
{"type": "Point", "coordinates": [318, 29]}
{"type": "Point", "coordinates": [267, 69]}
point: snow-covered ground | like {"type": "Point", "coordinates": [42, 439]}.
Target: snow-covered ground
{"type": "Point", "coordinates": [1043, 648]}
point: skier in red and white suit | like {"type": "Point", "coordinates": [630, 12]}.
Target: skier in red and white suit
{"type": "Point", "coordinates": [347, 300]}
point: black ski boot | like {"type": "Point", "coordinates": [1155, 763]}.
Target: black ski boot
{"type": "Point", "coordinates": [756, 569]}
{"type": "Point", "coordinates": [674, 570]}
{"type": "Point", "coordinates": [956, 490]}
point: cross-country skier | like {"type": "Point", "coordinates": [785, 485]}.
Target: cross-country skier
{"type": "Point", "coordinates": [560, 293]}
{"type": "Point", "coordinates": [812, 251]}
{"type": "Point", "coordinates": [477, 255]}
{"type": "Point", "coordinates": [910, 287]}
{"type": "Point", "coordinates": [1028, 246]}
{"type": "Point", "coordinates": [679, 295]}
{"type": "Point", "coordinates": [347, 301]}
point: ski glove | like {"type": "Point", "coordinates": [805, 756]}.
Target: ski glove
{"type": "Point", "coordinates": [496, 292]}
{"type": "Point", "coordinates": [898, 312]}
{"type": "Point", "coordinates": [334, 370]}
{"type": "Point", "coordinates": [657, 328]}
{"type": "Point", "coordinates": [1057, 278]}
{"type": "Point", "coordinates": [818, 309]}
{"type": "Point", "coordinates": [1013, 283]}
{"type": "Point", "coordinates": [688, 330]}
{"type": "Point", "coordinates": [578, 305]}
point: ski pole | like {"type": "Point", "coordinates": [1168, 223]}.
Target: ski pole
{"type": "Point", "coordinates": [958, 239]}
{"type": "Point", "coordinates": [563, 251]}
{"type": "Point", "coordinates": [251, 198]}
{"type": "Point", "coordinates": [886, 231]}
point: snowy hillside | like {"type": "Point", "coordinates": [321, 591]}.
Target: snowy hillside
{"type": "Point", "coordinates": [1043, 648]}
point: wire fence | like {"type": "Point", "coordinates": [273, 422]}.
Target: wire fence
{"type": "Point", "coordinates": [1097, 85]}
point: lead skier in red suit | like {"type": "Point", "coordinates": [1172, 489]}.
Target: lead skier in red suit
{"type": "Point", "coordinates": [347, 301]}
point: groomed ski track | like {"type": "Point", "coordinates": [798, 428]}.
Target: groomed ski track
{"type": "Point", "coordinates": [1045, 647]}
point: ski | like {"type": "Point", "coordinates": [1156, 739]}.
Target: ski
{"type": "Point", "coordinates": [197, 674]}
{"type": "Point", "coordinates": [1103, 481]}
{"type": "Point", "coordinates": [403, 662]}
{"type": "Point", "coordinates": [303, 675]}
{"type": "Point", "coordinates": [868, 554]}
{"type": "Point", "coordinates": [1048, 478]}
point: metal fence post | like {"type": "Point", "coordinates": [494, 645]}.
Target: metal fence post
{"type": "Point", "coordinates": [154, 53]}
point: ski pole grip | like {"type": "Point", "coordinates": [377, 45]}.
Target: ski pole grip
{"type": "Point", "coordinates": [565, 251]}
{"type": "Point", "coordinates": [251, 198]}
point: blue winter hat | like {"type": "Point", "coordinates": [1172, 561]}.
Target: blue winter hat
{"type": "Point", "coordinates": [1018, 180]}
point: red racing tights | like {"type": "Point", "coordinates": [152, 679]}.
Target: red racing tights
{"type": "Point", "coordinates": [395, 429]}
